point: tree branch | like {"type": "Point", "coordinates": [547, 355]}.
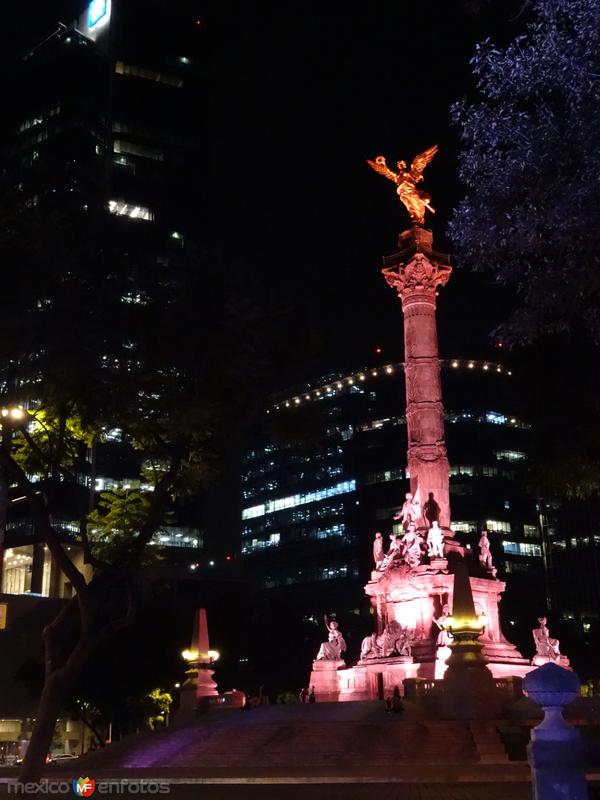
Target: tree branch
{"type": "Point", "coordinates": [159, 496]}
{"type": "Point", "coordinates": [37, 449]}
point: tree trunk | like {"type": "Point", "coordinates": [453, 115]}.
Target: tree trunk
{"type": "Point", "coordinates": [43, 730]}
{"type": "Point", "coordinates": [93, 729]}
{"type": "Point", "coordinates": [66, 654]}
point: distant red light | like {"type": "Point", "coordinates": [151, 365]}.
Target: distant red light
{"type": "Point", "coordinates": [198, 23]}
{"type": "Point", "coordinates": [500, 344]}
{"type": "Point", "coordinates": [227, 558]}
{"type": "Point", "coordinates": [378, 350]}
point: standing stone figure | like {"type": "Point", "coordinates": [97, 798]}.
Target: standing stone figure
{"type": "Point", "coordinates": [435, 541]}
{"type": "Point", "coordinates": [378, 550]}
{"type": "Point", "coordinates": [485, 554]}
{"type": "Point", "coordinates": [411, 510]}
{"type": "Point", "coordinates": [411, 542]}
{"type": "Point", "coordinates": [332, 649]}
{"type": "Point", "coordinates": [545, 647]}
{"type": "Point", "coordinates": [444, 637]}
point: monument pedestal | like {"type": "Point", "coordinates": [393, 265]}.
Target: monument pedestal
{"type": "Point", "coordinates": [376, 678]}
{"type": "Point", "coordinates": [414, 599]}
{"type": "Point", "coordinates": [563, 661]}
{"type": "Point", "coordinates": [326, 680]}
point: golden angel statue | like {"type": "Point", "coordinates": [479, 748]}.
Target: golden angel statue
{"type": "Point", "coordinates": [415, 200]}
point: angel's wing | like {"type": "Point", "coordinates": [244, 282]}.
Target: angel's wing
{"type": "Point", "coordinates": [420, 162]}
{"type": "Point", "coordinates": [382, 168]}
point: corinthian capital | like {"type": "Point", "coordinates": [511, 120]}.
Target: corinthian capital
{"type": "Point", "coordinates": [418, 276]}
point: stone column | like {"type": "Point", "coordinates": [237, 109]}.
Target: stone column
{"type": "Point", "coordinates": [556, 753]}
{"type": "Point", "coordinates": [415, 272]}
{"type": "Point", "coordinates": [37, 568]}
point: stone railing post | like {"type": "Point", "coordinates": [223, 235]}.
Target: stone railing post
{"type": "Point", "coordinates": [555, 753]}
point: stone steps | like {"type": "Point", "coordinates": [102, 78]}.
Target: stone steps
{"type": "Point", "coordinates": [268, 745]}
{"type": "Point", "coordinates": [488, 743]}
{"type": "Point", "coordinates": [277, 738]}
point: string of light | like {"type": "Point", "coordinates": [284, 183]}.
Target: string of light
{"type": "Point", "coordinates": [362, 376]}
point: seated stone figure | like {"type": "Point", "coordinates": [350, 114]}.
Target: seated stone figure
{"type": "Point", "coordinates": [332, 649]}
{"type": "Point", "coordinates": [545, 646]}
{"type": "Point", "coordinates": [393, 555]}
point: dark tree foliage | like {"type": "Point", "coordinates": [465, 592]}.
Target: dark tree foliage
{"type": "Point", "coordinates": [530, 160]}
{"type": "Point", "coordinates": [105, 326]}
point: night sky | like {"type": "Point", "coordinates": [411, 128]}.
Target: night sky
{"type": "Point", "coordinates": [297, 97]}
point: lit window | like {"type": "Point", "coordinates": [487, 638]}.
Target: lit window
{"type": "Point", "coordinates": [488, 472]}
{"type": "Point", "coordinates": [495, 418]}
{"type": "Point", "coordinates": [121, 209]}
{"type": "Point", "coordinates": [462, 470]}
{"type": "Point", "coordinates": [385, 476]}
{"type": "Point", "coordinates": [148, 74]}
{"type": "Point", "coordinates": [531, 531]}
{"type": "Point", "coordinates": [497, 526]}
{"type": "Point", "coordinates": [465, 527]}
{"type": "Point", "coordinates": [254, 511]}
{"type": "Point", "coordinates": [142, 150]}
{"type": "Point", "coordinates": [135, 297]}
{"type": "Point", "coordinates": [113, 435]}
{"type": "Point", "coordinates": [298, 499]}
{"type": "Point", "coordinates": [559, 544]}
{"type": "Point", "coordinates": [510, 455]}
{"type": "Point", "coordinates": [522, 549]}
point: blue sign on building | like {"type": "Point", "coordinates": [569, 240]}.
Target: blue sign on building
{"type": "Point", "coordinates": [97, 10]}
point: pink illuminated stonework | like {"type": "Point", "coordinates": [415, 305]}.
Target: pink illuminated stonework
{"type": "Point", "coordinates": [411, 587]}
{"type": "Point", "coordinates": [416, 272]}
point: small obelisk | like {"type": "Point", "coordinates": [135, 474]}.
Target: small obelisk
{"type": "Point", "coordinates": [199, 686]}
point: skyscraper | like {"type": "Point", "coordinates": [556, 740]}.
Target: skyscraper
{"type": "Point", "coordinates": [103, 120]}
{"type": "Point", "coordinates": [106, 113]}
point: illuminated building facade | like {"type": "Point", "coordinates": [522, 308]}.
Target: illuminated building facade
{"type": "Point", "coordinates": [104, 119]}
{"type": "Point", "coordinates": [310, 508]}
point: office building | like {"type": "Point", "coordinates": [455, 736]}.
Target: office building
{"type": "Point", "coordinates": [331, 472]}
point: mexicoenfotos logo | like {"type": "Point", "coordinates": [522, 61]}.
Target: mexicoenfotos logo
{"type": "Point", "coordinates": [84, 787]}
